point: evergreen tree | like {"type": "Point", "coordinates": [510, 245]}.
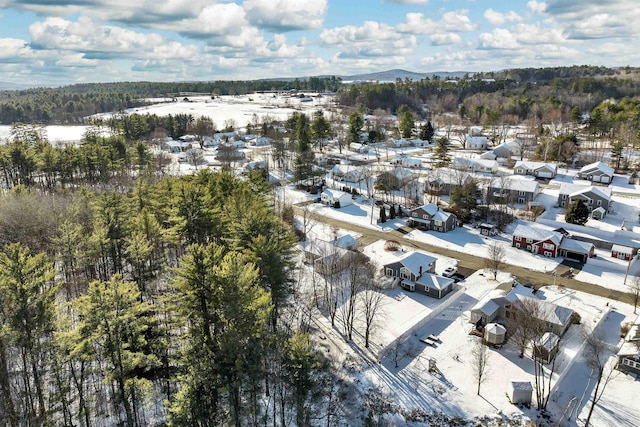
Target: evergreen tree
{"type": "Point", "coordinates": [407, 123]}
{"type": "Point", "coordinates": [441, 152]}
{"type": "Point", "coordinates": [577, 213]}
{"type": "Point", "coordinates": [355, 123]}
{"type": "Point", "coordinates": [427, 132]}
{"type": "Point", "coordinates": [617, 149]}
{"type": "Point", "coordinates": [383, 214]}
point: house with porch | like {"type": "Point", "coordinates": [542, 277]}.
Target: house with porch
{"type": "Point", "coordinates": [336, 198]}
{"type": "Point", "coordinates": [597, 172]}
{"type": "Point", "coordinates": [431, 217]}
{"type": "Point", "coordinates": [416, 273]}
{"type": "Point", "coordinates": [346, 172]}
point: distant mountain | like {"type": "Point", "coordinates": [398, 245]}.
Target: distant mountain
{"type": "Point", "coordinates": [393, 75]}
{"type": "Point", "coordinates": [13, 86]}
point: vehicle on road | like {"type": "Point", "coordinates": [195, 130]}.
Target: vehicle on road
{"type": "Point", "coordinates": [457, 277]}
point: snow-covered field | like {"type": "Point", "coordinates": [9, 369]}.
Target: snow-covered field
{"type": "Point", "coordinates": [237, 109]}
{"type": "Point", "coordinates": [56, 134]}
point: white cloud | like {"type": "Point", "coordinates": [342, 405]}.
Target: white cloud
{"type": "Point", "coordinates": [372, 39]}
{"type": "Point", "coordinates": [536, 6]}
{"type": "Point", "coordinates": [440, 39]}
{"type": "Point", "coordinates": [416, 23]}
{"type": "Point", "coordinates": [499, 18]}
{"type": "Point", "coordinates": [536, 34]}
{"type": "Point", "coordinates": [499, 38]}
{"type": "Point", "coordinates": [14, 50]}
{"type": "Point", "coordinates": [457, 21]}
{"type": "Point", "coordinates": [286, 15]}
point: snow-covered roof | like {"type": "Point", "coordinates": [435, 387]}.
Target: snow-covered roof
{"type": "Point", "coordinates": [434, 281]}
{"type": "Point", "coordinates": [522, 385]}
{"type": "Point", "coordinates": [415, 260]}
{"type": "Point", "coordinates": [495, 329]}
{"type": "Point", "coordinates": [341, 169]}
{"type": "Point", "coordinates": [518, 291]}
{"type": "Point", "coordinates": [549, 341]}
{"type": "Point", "coordinates": [401, 173]}
{"type": "Point", "coordinates": [603, 193]}
{"type": "Point", "coordinates": [537, 234]}
{"type": "Point", "coordinates": [488, 304]}
{"type": "Point", "coordinates": [430, 208]}
{"type": "Point", "coordinates": [535, 165]}
{"type": "Point", "coordinates": [622, 249]}
{"type": "Point", "coordinates": [346, 241]}
{"type": "Point", "coordinates": [336, 194]}
{"type": "Point", "coordinates": [555, 314]}
{"type": "Point", "coordinates": [576, 246]}
{"type": "Point", "coordinates": [518, 184]}
{"type": "Point", "coordinates": [483, 163]}
{"type": "Point", "coordinates": [604, 168]}
{"type": "Point", "coordinates": [622, 237]}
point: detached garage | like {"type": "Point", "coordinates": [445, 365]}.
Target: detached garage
{"type": "Point", "coordinates": [575, 250]}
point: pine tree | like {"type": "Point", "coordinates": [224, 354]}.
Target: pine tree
{"type": "Point", "coordinates": [407, 123]}
{"type": "Point", "coordinates": [577, 213]}
{"type": "Point", "coordinates": [442, 151]}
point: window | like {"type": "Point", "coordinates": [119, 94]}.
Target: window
{"type": "Point", "coordinates": [547, 253]}
{"type": "Point", "coordinates": [516, 237]}
{"type": "Point", "coordinates": [590, 201]}
{"type": "Point", "coordinates": [437, 223]}
{"type": "Point", "coordinates": [564, 197]}
{"type": "Point", "coordinates": [425, 216]}
{"type": "Point", "coordinates": [520, 193]}
{"type": "Point", "coordinates": [518, 245]}
{"type": "Point", "coordinates": [599, 203]}
{"type": "Point", "coordinates": [529, 240]}
{"type": "Point", "coordinates": [520, 200]}
{"type": "Point", "coordinates": [414, 214]}
{"type": "Point", "coordinates": [548, 246]}
{"type": "Point", "coordinates": [390, 272]}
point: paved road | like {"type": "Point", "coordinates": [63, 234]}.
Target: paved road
{"type": "Point", "coordinates": [474, 262]}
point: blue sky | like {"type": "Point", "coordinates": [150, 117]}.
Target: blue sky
{"type": "Point", "coordinates": [44, 42]}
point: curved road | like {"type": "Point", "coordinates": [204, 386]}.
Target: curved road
{"type": "Point", "coordinates": [473, 262]}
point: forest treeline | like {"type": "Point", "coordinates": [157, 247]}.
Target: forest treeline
{"type": "Point", "coordinates": [164, 301]}
{"type": "Point", "coordinates": [72, 104]}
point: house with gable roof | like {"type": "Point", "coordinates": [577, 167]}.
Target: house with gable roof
{"type": "Point", "coordinates": [431, 217]}
{"type": "Point", "coordinates": [537, 240]}
{"type": "Point", "coordinates": [629, 354]}
{"type": "Point", "coordinates": [594, 197]}
{"type": "Point", "coordinates": [537, 169]}
{"type": "Point", "coordinates": [415, 272]}
{"type": "Point", "coordinates": [396, 178]}
{"type": "Point", "coordinates": [513, 190]}
{"type": "Point", "coordinates": [475, 165]}
{"type": "Point", "coordinates": [597, 172]}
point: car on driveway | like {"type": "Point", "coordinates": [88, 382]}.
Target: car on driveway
{"type": "Point", "coordinates": [457, 277]}
{"type": "Point", "coordinates": [450, 271]}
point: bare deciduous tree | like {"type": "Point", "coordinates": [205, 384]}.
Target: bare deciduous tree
{"type": "Point", "coordinates": [356, 274]}
{"type": "Point", "coordinates": [371, 300]}
{"type": "Point", "coordinates": [495, 258]}
{"type": "Point", "coordinates": [597, 356]}
{"type": "Point", "coordinates": [543, 378]}
{"type": "Point", "coordinates": [479, 362]}
{"type": "Point", "coordinates": [635, 292]}
{"type": "Point", "coordinates": [524, 322]}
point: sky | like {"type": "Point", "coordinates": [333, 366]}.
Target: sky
{"type": "Point", "coordinates": [49, 42]}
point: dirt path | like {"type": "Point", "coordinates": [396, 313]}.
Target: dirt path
{"type": "Point", "coordinates": [473, 262]}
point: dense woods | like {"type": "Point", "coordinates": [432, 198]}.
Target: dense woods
{"type": "Point", "coordinates": [131, 298]}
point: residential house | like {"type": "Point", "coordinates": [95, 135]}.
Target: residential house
{"type": "Point", "coordinates": [475, 165]}
{"type": "Point", "coordinates": [594, 197]}
{"type": "Point", "coordinates": [396, 178]}
{"type": "Point", "coordinates": [629, 354]}
{"type": "Point", "coordinates": [597, 172]}
{"type": "Point", "coordinates": [512, 190]}
{"type": "Point", "coordinates": [537, 169]}
{"type": "Point", "coordinates": [330, 257]}
{"type": "Point", "coordinates": [507, 150]}
{"type": "Point", "coordinates": [336, 198]}
{"type": "Point", "coordinates": [417, 142]}
{"type": "Point", "coordinates": [415, 272]}
{"type": "Point", "coordinates": [537, 240]}
{"type": "Point", "coordinates": [431, 217]}
{"type": "Point", "coordinates": [444, 182]}
{"type": "Point", "coordinates": [477, 143]}
{"type": "Point", "coordinates": [346, 172]}
{"type": "Point", "coordinates": [488, 229]}
{"type": "Point", "coordinates": [496, 305]}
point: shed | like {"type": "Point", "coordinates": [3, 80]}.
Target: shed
{"type": "Point", "coordinates": [598, 213]}
{"type": "Point", "coordinates": [494, 333]}
{"type": "Point", "coordinates": [520, 392]}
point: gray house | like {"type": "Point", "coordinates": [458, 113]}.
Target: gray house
{"type": "Point", "coordinates": [629, 354]}
{"type": "Point", "coordinates": [597, 172]}
{"type": "Point", "coordinates": [431, 217]}
{"type": "Point", "coordinates": [415, 272]}
{"type": "Point", "coordinates": [594, 197]}
{"type": "Point", "coordinates": [512, 190]}
{"type": "Point", "coordinates": [443, 183]}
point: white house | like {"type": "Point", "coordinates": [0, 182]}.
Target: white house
{"type": "Point", "coordinates": [336, 198]}
{"type": "Point", "coordinates": [477, 142]}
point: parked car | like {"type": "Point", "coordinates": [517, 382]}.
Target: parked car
{"type": "Point", "coordinates": [457, 277]}
{"type": "Point", "coordinates": [450, 271]}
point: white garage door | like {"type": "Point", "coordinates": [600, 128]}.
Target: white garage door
{"type": "Point", "coordinates": [545, 174]}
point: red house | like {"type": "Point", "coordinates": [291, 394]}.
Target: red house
{"type": "Point", "coordinates": [622, 252]}
{"type": "Point", "coordinates": [537, 240]}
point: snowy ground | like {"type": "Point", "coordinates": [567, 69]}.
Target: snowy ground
{"type": "Point", "coordinates": [239, 109]}
{"type": "Point", "coordinates": [56, 134]}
